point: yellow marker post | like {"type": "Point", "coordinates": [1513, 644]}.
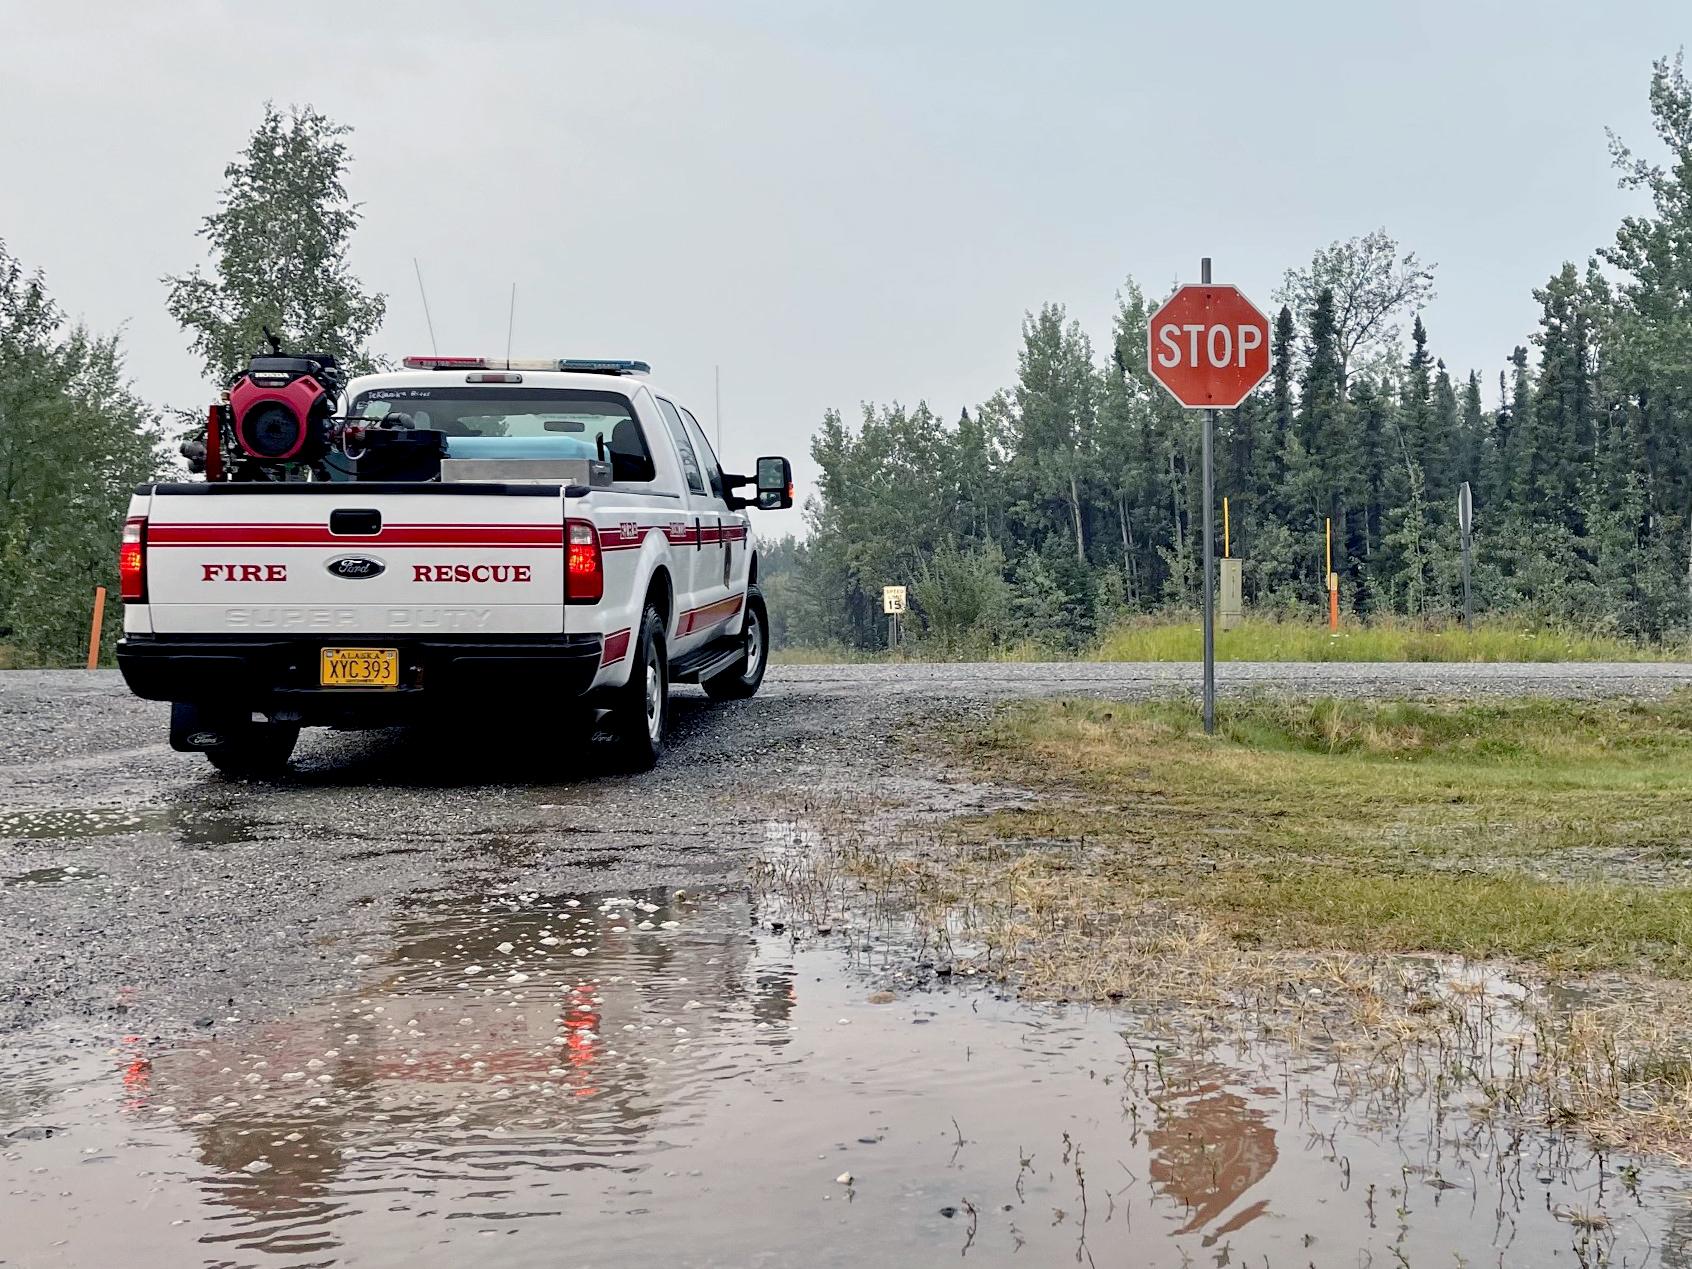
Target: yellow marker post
{"type": "Point", "coordinates": [1333, 582]}
{"type": "Point", "coordinates": [1226, 551]}
{"type": "Point", "coordinates": [94, 633]}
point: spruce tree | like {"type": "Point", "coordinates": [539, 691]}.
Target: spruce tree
{"type": "Point", "coordinates": [1443, 457]}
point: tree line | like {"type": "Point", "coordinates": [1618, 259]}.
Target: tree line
{"type": "Point", "coordinates": [74, 437]}
{"type": "Point", "coordinates": [1058, 506]}
{"type": "Point", "coordinates": [1072, 499]}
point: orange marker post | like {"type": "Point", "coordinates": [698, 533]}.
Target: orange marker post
{"type": "Point", "coordinates": [94, 634]}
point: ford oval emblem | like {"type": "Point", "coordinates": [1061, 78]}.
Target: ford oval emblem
{"type": "Point", "coordinates": [356, 566]}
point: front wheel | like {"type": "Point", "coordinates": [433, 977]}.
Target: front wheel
{"type": "Point", "coordinates": [640, 710]}
{"type": "Point", "coordinates": [744, 677]}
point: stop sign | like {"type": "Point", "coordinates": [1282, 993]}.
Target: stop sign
{"type": "Point", "coordinates": [1209, 346]}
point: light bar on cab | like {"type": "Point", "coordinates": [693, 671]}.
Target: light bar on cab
{"type": "Point", "coordinates": [604, 366]}
{"type": "Point", "coordinates": [445, 363]}
{"type": "Point", "coordinates": [580, 365]}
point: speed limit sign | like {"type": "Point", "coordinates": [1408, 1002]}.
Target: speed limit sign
{"type": "Point", "coordinates": [892, 600]}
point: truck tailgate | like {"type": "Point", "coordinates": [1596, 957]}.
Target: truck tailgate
{"type": "Point", "coordinates": [349, 559]}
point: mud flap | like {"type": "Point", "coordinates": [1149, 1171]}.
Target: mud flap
{"type": "Point", "coordinates": [194, 729]}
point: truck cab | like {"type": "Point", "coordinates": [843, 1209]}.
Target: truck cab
{"type": "Point", "coordinates": [497, 536]}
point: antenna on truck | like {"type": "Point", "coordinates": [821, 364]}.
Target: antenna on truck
{"type": "Point", "coordinates": [510, 321]}
{"type": "Point", "coordinates": [435, 348]}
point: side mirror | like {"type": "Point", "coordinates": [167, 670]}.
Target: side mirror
{"type": "Point", "coordinates": [775, 484]}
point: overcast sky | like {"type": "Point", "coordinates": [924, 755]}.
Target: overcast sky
{"type": "Point", "coordinates": [833, 202]}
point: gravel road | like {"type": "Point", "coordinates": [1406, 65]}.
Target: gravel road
{"type": "Point", "coordinates": [137, 885]}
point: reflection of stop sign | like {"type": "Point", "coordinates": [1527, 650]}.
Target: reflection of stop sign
{"type": "Point", "coordinates": [1209, 346]}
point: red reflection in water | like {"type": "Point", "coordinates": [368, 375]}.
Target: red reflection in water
{"type": "Point", "coordinates": [137, 1073]}
{"type": "Point", "coordinates": [1209, 1148]}
{"type": "Point", "coordinates": [581, 1032]}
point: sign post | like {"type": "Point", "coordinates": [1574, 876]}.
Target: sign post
{"type": "Point", "coordinates": [893, 603]}
{"type": "Point", "coordinates": [1230, 606]}
{"type": "Point", "coordinates": [1209, 346]}
{"type": "Point", "coordinates": [1209, 556]}
{"type": "Point", "coordinates": [1465, 524]}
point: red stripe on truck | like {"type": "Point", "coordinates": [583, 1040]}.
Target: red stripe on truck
{"type": "Point", "coordinates": [629, 536]}
{"type": "Point", "coordinates": [709, 615]}
{"type": "Point", "coordinates": [399, 535]}
{"type": "Point", "coordinates": [616, 647]}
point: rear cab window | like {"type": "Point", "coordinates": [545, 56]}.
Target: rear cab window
{"type": "Point", "coordinates": [516, 422]}
{"type": "Point", "coordinates": [691, 467]}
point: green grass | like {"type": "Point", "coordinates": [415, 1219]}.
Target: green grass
{"type": "Point", "coordinates": [1547, 831]}
{"type": "Point", "coordinates": [1270, 639]}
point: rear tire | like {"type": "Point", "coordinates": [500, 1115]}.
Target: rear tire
{"type": "Point", "coordinates": [744, 678]}
{"type": "Point", "coordinates": [640, 710]}
{"type": "Point", "coordinates": [231, 740]}
{"type": "Point", "coordinates": [256, 751]}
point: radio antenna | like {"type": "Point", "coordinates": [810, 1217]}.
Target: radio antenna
{"type": "Point", "coordinates": [510, 322]}
{"type": "Point", "coordinates": [433, 346]}
{"type": "Point", "coordinates": [718, 371]}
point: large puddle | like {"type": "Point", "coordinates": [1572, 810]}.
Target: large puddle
{"type": "Point", "coordinates": [657, 1078]}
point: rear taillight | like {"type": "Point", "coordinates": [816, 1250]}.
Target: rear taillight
{"type": "Point", "coordinates": [584, 574]}
{"type": "Point", "coordinates": [132, 562]}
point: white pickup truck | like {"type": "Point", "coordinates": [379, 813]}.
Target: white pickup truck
{"type": "Point", "coordinates": [572, 541]}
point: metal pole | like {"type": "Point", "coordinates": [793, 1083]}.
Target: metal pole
{"type": "Point", "coordinates": [1468, 596]}
{"type": "Point", "coordinates": [1465, 515]}
{"type": "Point", "coordinates": [1209, 558]}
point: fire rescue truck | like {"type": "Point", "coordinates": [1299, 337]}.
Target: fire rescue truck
{"type": "Point", "coordinates": [470, 534]}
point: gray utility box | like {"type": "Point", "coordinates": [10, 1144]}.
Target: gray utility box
{"type": "Point", "coordinates": [528, 471]}
{"type": "Point", "coordinates": [1230, 607]}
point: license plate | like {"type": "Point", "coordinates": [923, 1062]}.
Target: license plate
{"type": "Point", "coordinates": [360, 667]}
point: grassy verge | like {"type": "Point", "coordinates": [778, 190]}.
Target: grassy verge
{"type": "Point", "coordinates": [1269, 639]}
{"type": "Point", "coordinates": [1543, 831]}
{"type": "Point", "coordinates": [1486, 902]}
{"type": "Point", "coordinates": [1260, 638]}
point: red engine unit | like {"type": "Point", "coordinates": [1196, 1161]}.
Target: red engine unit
{"type": "Point", "coordinates": [281, 414]}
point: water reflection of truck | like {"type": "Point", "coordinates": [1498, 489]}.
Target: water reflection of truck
{"type": "Point", "coordinates": [443, 1058]}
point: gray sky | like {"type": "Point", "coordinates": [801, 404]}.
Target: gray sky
{"type": "Point", "coordinates": [833, 201]}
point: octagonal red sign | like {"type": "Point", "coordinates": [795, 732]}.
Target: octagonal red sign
{"type": "Point", "coordinates": [1209, 346]}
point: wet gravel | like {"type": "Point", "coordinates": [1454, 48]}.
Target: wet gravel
{"type": "Point", "coordinates": [140, 891]}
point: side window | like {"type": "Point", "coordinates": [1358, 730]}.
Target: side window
{"type": "Point", "coordinates": [713, 469]}
{"type": "Point", "coordinates": [684, 447]}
